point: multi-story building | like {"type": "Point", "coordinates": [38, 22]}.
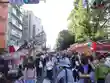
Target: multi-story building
{"type": "Point", "coordinates": [3, 23]}
{"type": "Point", "coordinates": [33, 30]}
{"type": "Point", "coordinates": [31, 25]}
{"type": "Point", "coordinates": [14, 25]}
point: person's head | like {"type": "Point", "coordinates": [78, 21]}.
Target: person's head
{"type": "Point", "coordinates": [107, 61]}
{"type": "Point", "coordinates": [47, 59]}
{"type": "Point", "coordinates": [30, 58]}
{"type": "Point", "coordinates": [77, 63]}
{"type": "Point", "coordinates": [20, 66]}
{"type": "Point", "coordinates": [84, 60]}
{"type": "Point", "coordinates": [91, 58]}
{"type": "Point", "coordinates": [102, 60]}
{"type": "Point", "coordinates": [30, 65]}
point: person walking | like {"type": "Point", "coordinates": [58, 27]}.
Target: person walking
{"type": "Point", "coordinates": [65, 72]}
{"type": "Point", "coordinates": [37, 65]}
{"type": "Point", "coordinates": [40, 68]}
{"type": "Point", "coordinates": [30, 73]}
{"type": "Point", "coordinates": [107, 64]}
{"type": "Point", "coordinates": [85, 70]}
{"type": "Point", "coordinates": [49, 66]}
{"type": "Point", "coordinates": [101, 71]}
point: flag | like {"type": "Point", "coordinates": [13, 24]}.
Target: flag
{"type": "Point", "coordinates": [11, 49]}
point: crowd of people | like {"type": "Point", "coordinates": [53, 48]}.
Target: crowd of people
{"type": "Point", "coordinates": [65, 67]}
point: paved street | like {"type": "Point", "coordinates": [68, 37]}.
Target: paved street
{"type": "Point", "coordinates": [46, 81]}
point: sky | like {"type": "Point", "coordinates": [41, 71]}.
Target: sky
{"type": "Point", "coordinates": [54, 14]}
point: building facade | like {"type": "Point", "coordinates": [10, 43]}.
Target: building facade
{"type": "Point", "coordinates": [33, 31]}
{"type": "Point", "coordinates": [14, 25]}
{"type": "Point", "coordinates": [3, 23]}
{"type": "Point", "coordinates": [31, 25]}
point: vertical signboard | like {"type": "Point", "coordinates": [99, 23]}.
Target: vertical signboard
{"type": "Point", "coordinates": [3, 22]}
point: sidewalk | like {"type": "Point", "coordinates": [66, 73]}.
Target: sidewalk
{"type": "Point", "coordinates": [46, 81]}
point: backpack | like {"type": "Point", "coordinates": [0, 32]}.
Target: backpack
{"type": "Point", "coordinates": [30, 73]}
{"type": "Point", "coordinates": [62, 80]}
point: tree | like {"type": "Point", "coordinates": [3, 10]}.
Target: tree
{"type": "Point", "coordinates": [100, 10]}
{"type": "Point", "coordinates": [86, 22]}
{"type": "Point", "coordinates": [65, 39]}
{"type": "Point", "coordinates": [79, 22]}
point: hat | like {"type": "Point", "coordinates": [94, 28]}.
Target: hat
{"type": "Point", "coordinates": [64, 62]}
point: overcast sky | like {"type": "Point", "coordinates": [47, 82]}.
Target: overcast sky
{"type": "Point", "coordinates": [54, 14]}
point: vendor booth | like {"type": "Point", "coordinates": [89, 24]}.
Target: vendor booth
{"type": "Point", "coordinates": [91, 47]}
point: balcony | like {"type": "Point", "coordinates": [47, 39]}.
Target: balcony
{"type": "Point", "coordinates": [16, 35]}
{"type": "Point", "coordinates": [18, 7]}
{"type": "Point", "coordinates": [18, 18]}
{"type": "Point", "coordinates": [15, 25]}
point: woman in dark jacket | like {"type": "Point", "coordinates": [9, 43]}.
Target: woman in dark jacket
{"type": "Point", "coordinates": [84, 70]}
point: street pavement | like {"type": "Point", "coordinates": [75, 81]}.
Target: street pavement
{"type": "Point", "coordinates": [46, 81]}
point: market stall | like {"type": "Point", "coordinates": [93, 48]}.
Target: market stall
{"type": "Point", "coordinates": [81, 48]}
{"type": "Point", "coordinates": [91, 47]}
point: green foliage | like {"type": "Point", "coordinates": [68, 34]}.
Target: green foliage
{"type": "Point", "coordinates": [86, 23]}
{"type": "Point", "coordinates": [65, 39]}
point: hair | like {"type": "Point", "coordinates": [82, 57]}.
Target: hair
{"type": "Point", "coordinates": [20, 66]}
{"type": "Point", "coordinates": [91, 58]}
{"type": "Point", "coordinates": [84, 60]}
{"type": "Point", "coordinates": [30, 66]}
{"type": "Point", "coordinates": [47, 59]}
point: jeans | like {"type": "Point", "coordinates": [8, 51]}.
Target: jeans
{"type": "Point", "coordinates": [30, 81]}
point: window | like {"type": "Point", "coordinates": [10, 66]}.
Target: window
{"type": "Point", "coordinates": [20, 18]}
{"type": "Point", "coordinates": [108, 36]}
{"type": "Point", "coordinates": [16, 33]}
{"type": "Point", "coordinates": [17, 23]}
{"type": "Point", "coordinates": [9, 16]}
{"type": "Point", "coordinates": [14, 11]}
{"type": "Point", "coordinates": [14, 21]}
{"type": "Point", "coordinates": [108, 29]}
{"type": "Point", "coordinates": [20, 27]}
{"type": "Point", "coordinates": [12, 42]}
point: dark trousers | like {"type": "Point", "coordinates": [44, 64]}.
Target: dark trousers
{"type": "Point", "coordinates": [100, 81]}
{"type": "Point", "coordinates": [39, 72]}
{"type": "Point", "coordinates": [49, 74]}
{"type": "Point", "coordinates": [75, 75]}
